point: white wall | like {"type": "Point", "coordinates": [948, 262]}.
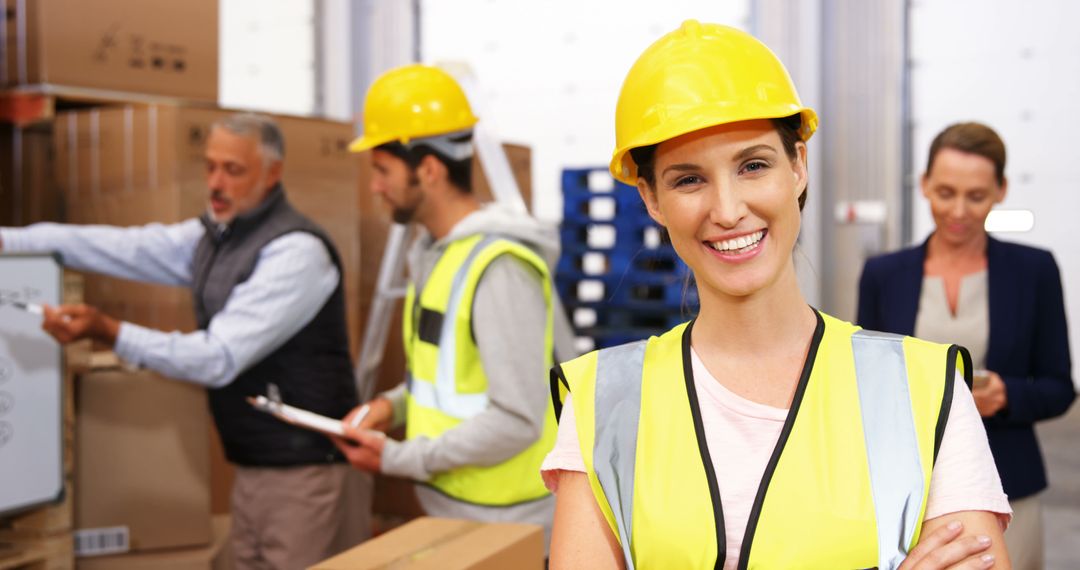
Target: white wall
{"type": "Point", "coordinates": [550, 72]}
{"type": "Point", "coordinates": [268, 55]}
{"type": "Point", "coordinates": [1012, 65]}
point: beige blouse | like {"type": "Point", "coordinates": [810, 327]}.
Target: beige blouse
{"type": "Point", "coordinates": [970, 327]}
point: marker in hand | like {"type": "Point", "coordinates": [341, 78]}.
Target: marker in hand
{"type": "Point", "coordinates": [32, 308]}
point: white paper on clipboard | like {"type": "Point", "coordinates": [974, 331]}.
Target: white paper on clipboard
{"type": "Point", "coordinates": [298, 417]}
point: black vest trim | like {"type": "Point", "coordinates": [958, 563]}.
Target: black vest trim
{"type": "Point", "coordinates": [703, 448]}
{"type": "Point", "coordinates": [785, 433]}
{"type": "Point", "coordinates": [558, 376]}
{"type": "Point", "coordinates": [950, 384]}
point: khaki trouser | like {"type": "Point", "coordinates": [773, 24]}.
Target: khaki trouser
{"type": "Point", "coordinates": [293, 517]}
{"type": "Point", "coordinates": [1024, 537]}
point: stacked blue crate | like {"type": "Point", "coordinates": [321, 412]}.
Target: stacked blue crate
{"type": "Point", "coordinates": [618, 276]}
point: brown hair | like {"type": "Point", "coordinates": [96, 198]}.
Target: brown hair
{"type": "Point", "coordinates": [787, 127]}
{"type": "Point", "coordinates": [459, 172]}
{"type": "Point", "coordinates": [972, 138]}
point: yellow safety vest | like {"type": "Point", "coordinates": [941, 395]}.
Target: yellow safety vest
{"type": "Point", "coordinates": [446, 380]}
{"type": "Point", "coordinates": [846, 485]}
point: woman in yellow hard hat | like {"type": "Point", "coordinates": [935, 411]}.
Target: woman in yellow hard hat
{"type": "Point", "coordinates": [764, 433]}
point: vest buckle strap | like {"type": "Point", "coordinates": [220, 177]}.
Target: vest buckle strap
{"type": "Point", "coordinates": [430, 325]}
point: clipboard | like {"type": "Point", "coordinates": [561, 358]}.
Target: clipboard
{"type": "Point", "coordinates": [299, 417]}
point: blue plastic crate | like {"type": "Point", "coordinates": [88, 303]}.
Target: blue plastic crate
{"type": "Point", "coordinates": [588, 320]}
{"type": "Point", "coordinates": [639, 291]}
{"type": "Point", "coordinates": [585, 207]}
{"type": "Point", "coordinates": [596, 180]}
{"type": "Point", "coordinates": [583, 262]}
{"type": "Point", "coordinates": [627, 236]}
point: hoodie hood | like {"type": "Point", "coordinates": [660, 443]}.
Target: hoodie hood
{"type": "Point", "coordinates": [542, 238]}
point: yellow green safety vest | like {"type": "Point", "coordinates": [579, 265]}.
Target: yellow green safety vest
{"type": "Point", "coordinates": [445, 380]}
{"type": "Point", "coordinates": [845, 487]}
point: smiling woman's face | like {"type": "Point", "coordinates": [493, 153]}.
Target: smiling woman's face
{"type": "Point", "coordinates": [728, 196]}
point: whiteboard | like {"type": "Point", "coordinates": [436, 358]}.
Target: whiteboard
{"type": "Point", "coordinates": [31, 385]}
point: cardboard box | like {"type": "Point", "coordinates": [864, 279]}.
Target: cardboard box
{"type": "Point", "coordinates": [158, 47]}
{"type": "Point", "coordinates": [142, 462]}
{"type": "Point", "coordinates": [447, 544]}
{"type": "Point", "coordinates": [28, 193]}
{"type": "Point", "coordinates": [216, 556]}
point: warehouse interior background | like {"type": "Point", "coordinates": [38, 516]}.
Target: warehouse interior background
{"type": "Point", "coordinates": [884, 77]}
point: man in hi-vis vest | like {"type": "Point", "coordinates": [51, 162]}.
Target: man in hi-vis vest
{"type": "Point", "coordinates": [478, 317]}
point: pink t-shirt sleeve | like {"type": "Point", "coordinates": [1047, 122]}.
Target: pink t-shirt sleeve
{"type": "Point", "coordinates": [965, 477]}
{"type": "Point", "coordinates": [566, 455]}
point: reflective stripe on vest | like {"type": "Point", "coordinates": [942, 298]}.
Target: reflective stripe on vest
{"type": "Point", "coordinates": [442, 394]}
{"type": "Point", "coordinates": [896, 476]}
{"type": "Point", "coordinates": [618, 406]}
{"type": "Point", "coordinates": [901, 386]}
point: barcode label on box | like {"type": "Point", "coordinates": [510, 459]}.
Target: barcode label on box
{"type": "Point", "coordinates": [100, 541]}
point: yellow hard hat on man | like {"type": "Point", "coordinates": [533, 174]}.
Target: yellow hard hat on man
{"type": "Point", "coordinates": [700, 76]}
{"type": "Point", "coordinates": [412, 102]}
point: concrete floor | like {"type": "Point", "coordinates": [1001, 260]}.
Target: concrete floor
{"type": "Point", "coordinates": [1060, 439]}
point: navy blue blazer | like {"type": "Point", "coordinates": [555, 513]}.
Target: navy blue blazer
{"type": "Point", "coordinates": [1028, 344]}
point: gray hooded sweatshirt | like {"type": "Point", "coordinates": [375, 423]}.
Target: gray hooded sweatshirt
{"type": "Point", "coordinates": [508, 322]}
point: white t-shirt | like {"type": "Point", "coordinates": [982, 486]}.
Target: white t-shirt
{"type": "Point", "coordinates": [965, 477]}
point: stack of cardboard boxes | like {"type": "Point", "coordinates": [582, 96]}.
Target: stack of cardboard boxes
{"type": "Point", "coordinates": [69, 53]}
{"type": "Point", "coordinates": [142, 444]}
{"type": "Point", "coordinates": [106, 108]}
{"type": "Point", "coordinates": [150, 47]}
{"type": "Point", "coordinates": [104, 111]}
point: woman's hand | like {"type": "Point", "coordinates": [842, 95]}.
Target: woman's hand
{"type": "Point", "coordinates": [991, 398]}
{"type": "Point", "coordinates": [964, 540]}
{"type": "Point", "coordinates": [945, 548]}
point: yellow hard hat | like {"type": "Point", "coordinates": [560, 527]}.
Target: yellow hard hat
{"type": "Point", "coordinates": [699, 76]}
{"type": "Point", "coordinates": [410, 102]}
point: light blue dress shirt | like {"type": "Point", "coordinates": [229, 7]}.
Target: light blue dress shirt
{"type": "Point", "coordinates": [293, 278]}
